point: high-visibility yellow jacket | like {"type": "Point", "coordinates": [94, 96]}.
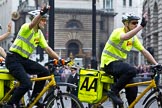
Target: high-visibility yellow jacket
{"type": "Point", "coordinates": [27, 40]}
{"type": "Point", "coordinates": [117, 49]}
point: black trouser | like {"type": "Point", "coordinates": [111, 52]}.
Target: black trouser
{"type": "Point", "coordinates": [124, 74]}
{"type": "Point", "coordinates": [20, 67]}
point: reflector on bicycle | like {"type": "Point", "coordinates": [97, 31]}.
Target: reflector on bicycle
{"type": "Point", "coordinates": [55, 62]}
{"type": "Point", "coordinates": [62, 61]}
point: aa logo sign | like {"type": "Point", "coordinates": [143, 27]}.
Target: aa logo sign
{"type": "Point", "coordinates": [89, 84]}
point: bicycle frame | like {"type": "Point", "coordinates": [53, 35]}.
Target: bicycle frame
{"type": "Point", "coordinates": [50, 85]}
{"type": "Point", "coordinates": [45, 89]}
{"type": "Point", "coordinates": [151, 84]}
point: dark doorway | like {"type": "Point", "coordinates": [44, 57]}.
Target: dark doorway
{"type": "Point", "coordinates": [73, 48]}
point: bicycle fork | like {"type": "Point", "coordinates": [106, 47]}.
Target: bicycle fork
{"type": "Point", "coordinates": [57, 93]}
{"type": "Point", "coordinates": [159, 98]}
{"type": "Point", "coordinates": [59, 97]}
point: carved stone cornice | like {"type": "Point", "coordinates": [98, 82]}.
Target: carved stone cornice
{"type": "Point", "coordinates": [85, 11]}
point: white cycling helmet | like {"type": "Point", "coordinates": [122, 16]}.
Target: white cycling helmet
{"type": "Point", "coordinates": [129, 16]}
{"type": "Point", "coordinates": [35, 13]}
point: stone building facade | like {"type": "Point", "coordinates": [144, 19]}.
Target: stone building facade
{"type": "Point", "coordinates": [152, 33]}
{"type": "Point", "coordinates": [73, 32]}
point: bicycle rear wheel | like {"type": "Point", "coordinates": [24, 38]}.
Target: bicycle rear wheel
{"type": "Point", "coordinates": [64, 100]}
{"type": "Point", "coordinates": [153, 103]}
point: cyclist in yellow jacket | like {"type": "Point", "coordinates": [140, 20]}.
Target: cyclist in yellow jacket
{"type": "Point", "coordinates": [17, 59]}
{"type": "Point", "coordinates": [115, 52]}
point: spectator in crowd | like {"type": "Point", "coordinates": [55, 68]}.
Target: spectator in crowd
{"type": "Point", "coordinates": [67, 72]}
{"type": "Point", "coordinates": [57, 75]}
{"type": "Point", "coordinates": [73, 79]}
{"type": "Point", "coordinates": [62, 73]}
{"type": "Point", "coordinates": [89, 66]}
{"type": "Point", "coordinates": [4, 36]}
{"type": "Point", "coordinates": [140, 69]}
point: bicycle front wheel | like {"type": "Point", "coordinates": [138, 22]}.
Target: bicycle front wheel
{"type": "Point", "coordinates": [64, 100]}
{"type": "Point", "coordinates": [153, 103]}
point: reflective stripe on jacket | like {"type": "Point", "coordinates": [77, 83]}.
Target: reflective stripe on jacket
{"type": "Point", "coordinates": [27, 41]}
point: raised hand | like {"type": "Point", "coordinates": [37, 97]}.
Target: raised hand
{"type": "Point", "coordinates": [9, 27]}
{"type": "Point", "coordinates": [44, 10]}
{"type": "Point", "coordinates": [144, 19]}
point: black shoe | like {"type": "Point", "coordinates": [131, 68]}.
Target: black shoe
{"type": "Point", "coordinates": [114, 98]}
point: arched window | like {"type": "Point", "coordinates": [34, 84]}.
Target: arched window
{"type": "Point", "coordinates": [73, 24]}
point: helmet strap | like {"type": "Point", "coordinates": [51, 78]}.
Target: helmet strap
{"type": "Point", "coordinates": [128, 26]}
{"type": "Point", "coordinates": [38, 26]}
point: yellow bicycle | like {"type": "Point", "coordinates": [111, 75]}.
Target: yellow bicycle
{"type": "Point", "coordinates": [152, 100]}
{"type": "Point", "coordinates": [54, 96]}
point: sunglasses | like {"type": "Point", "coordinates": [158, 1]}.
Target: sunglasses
{"type": "Point", "coordinates": [134, 23]}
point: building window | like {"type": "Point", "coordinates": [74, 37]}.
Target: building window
{"type": "Point", "coordinates": [130, 3]}
{"type": "Point", "coordinates": [73, 24]}
{"type": "Point", "coordinates": [124, 3]}
{"type": "Point", "coordinates": [108, 4]}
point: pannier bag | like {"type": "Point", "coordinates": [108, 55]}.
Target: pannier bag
{"type": "Point", "coordinates": [91, 83]}
{"type": "Point", "coordinates": [5, 80]}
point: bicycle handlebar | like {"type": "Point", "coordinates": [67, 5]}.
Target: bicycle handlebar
{"type": "Point", "coordinates": [57, 63]}
{"type": "Point", "coordinates": [53, 64]}
{"type": "Point", "coordinates": [156, 69]}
